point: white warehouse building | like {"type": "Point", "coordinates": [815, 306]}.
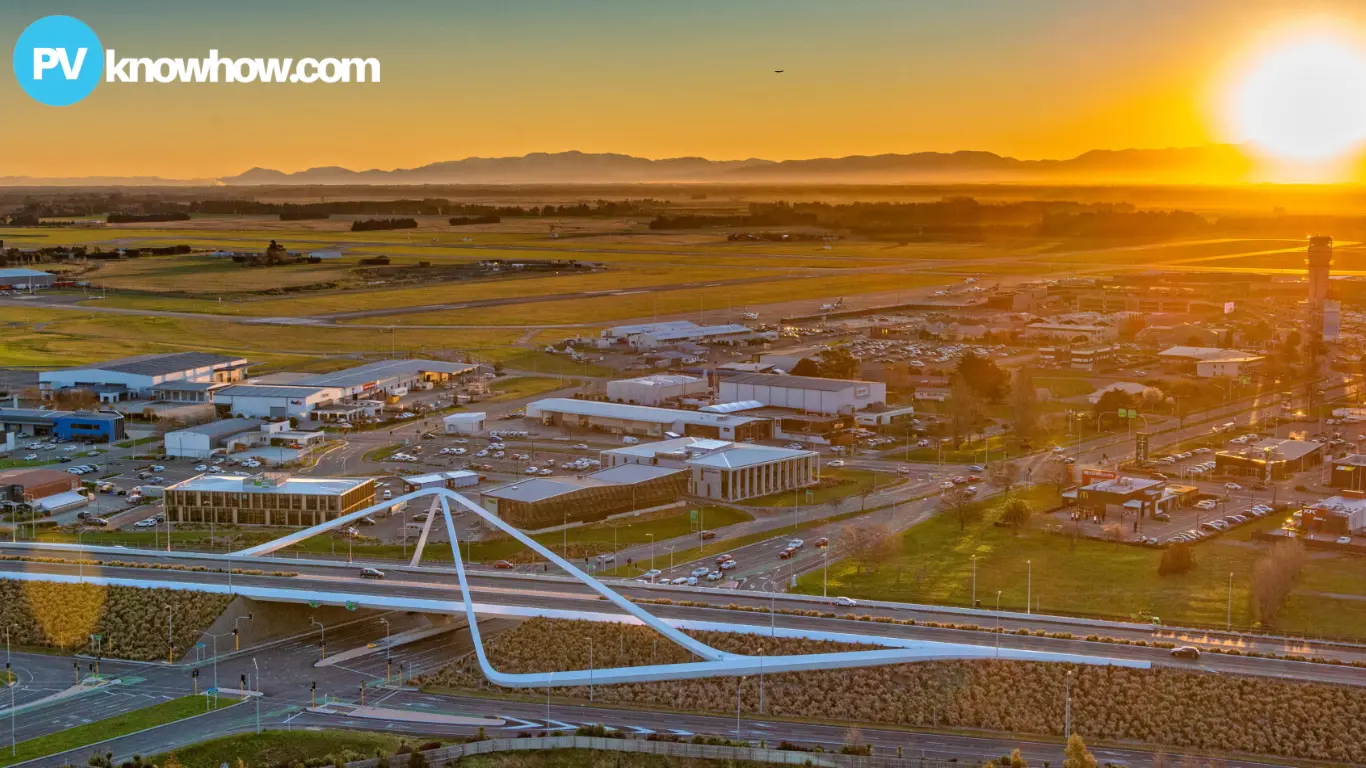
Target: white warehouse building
{"type": "Point", "coordinates": [654, 390]}
{"type": "Point", "coordinates": [271, 401]}
{"type": "Point", "coordinates": [804, 393]}
{"type": "Point", "coordinates": [470, 423]}
{"type": "Point", "coordinates": [620, 419]}
{"type": "Point", "coordinates": [136, 377]}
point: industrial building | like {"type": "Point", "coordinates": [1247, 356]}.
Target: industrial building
{"type": "Point", "coordinates": [620, 419]}
{"type": "Point", "coordinates": [464, 423]}
{"type": "Point", "coordinates": [389, 377]}
{"type": "Point", "coordinates": [204, 440]}
{"type": "Point", "coordinates": [1271, 459]}
{"type": "Point", "coordinates": [808, 394]}
{"type": "Point", "coordinates": [271, 401]}
{"type": "Point", "coordinates": [1209, 362]}
{"type": "Point", "coordinates": [1087, 334]}
{"type": "Point", "coordinates": [723, 470]}
{"type": "Point", "coordinates": [656, 390]}
{"type": "Point", "coordinates": [50, 490]}
{"type": "Point", "coordinates": [136, 377]}
{"type": "Point", "coordinates": [542, 502]}
{"type": "Point", "coordinates": [100, 426]}
{"type": "Point", "coordinates": [22, 278]}
{"type": "Point", "coordinates": [266, 499]}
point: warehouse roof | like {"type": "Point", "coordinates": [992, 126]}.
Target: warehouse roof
{"type": "Point", "coordinates": [22, 272]}
{"type": "Point", "coordinates": [633, 412]}
{"type": "Point", "coordinates": [745, 455]}
{"type": "Point", "coordinates": [630, 474]}
{"type": "Point", "coordinates": [795, 382]}
{"type": "Point", "coordinates": [29, 415]}
{"type": "Point", "coordinates": [186, 386]}
{"type": "Point", "coordinates": [673, 334]}
{"type": "Point", "coordinates": [659, 380]}
{"type": "Point", "coordinates": [536, 489]}
{"type": "Point", "coordinates": [160, 365]}
{"type": "Point", "coordinates": [364, 374]}
{"type": "Point", "coordinates": [225, 427]}
{"type": "Point", "coordinates": [1276, 449]}
{"type": "Point", "coordinates": [260, 390]}
{"type": "Point", "coordinates": [307, 486]}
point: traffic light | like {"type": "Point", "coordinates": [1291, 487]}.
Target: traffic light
{"type": "Point", "coordinates": [244, 682]}
{"type": "Point", "coordinates": [195, 676]}
{"type": "Point", "coordinates": [313, 692]}
{"type": "Point", "coordinates": [236, 643]}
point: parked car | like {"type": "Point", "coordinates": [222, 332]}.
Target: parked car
{"type": "Point", "coordinates": [714, 576]}
{"type": "Point", "coordinates": [703, 571]}
{"type": "Point", "coordinates": [1232, 487]}
{"type": "Point", "coordinates": [652, 573]}
{"type": "Point", "coordinates": [1344, 539]}
{"type": "Point", "coordinates": [729, 564]}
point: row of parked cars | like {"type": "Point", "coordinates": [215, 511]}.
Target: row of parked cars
{"type": "Point", "coordinates": [1220, 524]}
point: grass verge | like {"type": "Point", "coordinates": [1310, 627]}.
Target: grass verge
{"type": "Point", "coordinates": [113, 727]}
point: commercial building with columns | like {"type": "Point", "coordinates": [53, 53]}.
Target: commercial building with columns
{"type": "Point", "coordinates": [725, 471]}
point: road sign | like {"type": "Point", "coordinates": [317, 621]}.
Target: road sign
{"type": "Point", "coordinates": [313, 603]}
{"type": "Point", "coordinates": [199, 644]}
{"type": "Point", "coordinates": [692, 515]}
{"type": "Point", "coordinates": [1141, 447]}
{"type": "Point", "coordinates": [350, 606]}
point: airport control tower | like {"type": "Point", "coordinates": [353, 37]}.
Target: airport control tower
{"type": "Point", "coordinates": [1319, 259]}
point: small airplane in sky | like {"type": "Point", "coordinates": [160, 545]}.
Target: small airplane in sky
{"type": "Point", "coordinates": [777, 71]}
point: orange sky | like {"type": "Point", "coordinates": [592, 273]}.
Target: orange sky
{"type": "Point", "coordinates": [1043, 78]}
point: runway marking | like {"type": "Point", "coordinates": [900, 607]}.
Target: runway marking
{"type": "Point", "coordinates": [521, 723]}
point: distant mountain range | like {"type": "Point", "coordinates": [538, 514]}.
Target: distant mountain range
{"type": "Point", "coordinates": [1212, 164]}
{"type": "Point", "coordinates": [1221, 163]}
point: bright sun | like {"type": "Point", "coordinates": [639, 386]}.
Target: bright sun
{"type": "Point", "coordinates": [1304, 101]}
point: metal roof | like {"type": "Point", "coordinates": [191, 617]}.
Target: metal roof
{"type": "Point", "coordinates": [669, 325]}
{"type": "Point", "coordinates": [306, 486]}
{"type": "Point", "coordinates": [224, 428]}
{"type": "Point", "coordinates": [794, 382]}
{"type": "Point", "coordinates": [659, 380]}
{"type": "Point", "coordinates": [63, 500]}
{"type": "Point", "coordinates": [739, 405]}
{"type": "Point", "coordinates": [23, 272]}
{"type": "Point", "coordinates": [643, 413]}
{"type": "Point", "coordinates": [698, 332]}
{"type": "Point", "coordinates": [160, 365]}
{"type": "Point", "coordinates": [630, 474]}
{"type": "Point", "coordinates": [364, 374]}
{"type": "Point", "coordinates": [258, 390]}
{"type": "Point", "coordinates": [186, 386]}
{"type": "Point", "coordinates": [29, 415]}
{"type": "Point", "coordinates": [746, 455]}
{"type": "Point", "coordinates": [535, 489]}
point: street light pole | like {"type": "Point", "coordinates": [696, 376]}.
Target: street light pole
{"type": "Point", "coordinates": [652, 550]}
{"type": "Point", "coordinates": [1230, 601]}
{"type": "Point", "coordinates": [1067, 707]}
{"type": "Point", "coordinates": [974, 581]}
{"type": "Point", "coordinates": [998, 623]}
{"type": "Point", "coordinates": [1029, 587]}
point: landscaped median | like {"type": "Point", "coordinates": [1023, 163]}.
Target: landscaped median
{"type": "Point", "coordinates": [113, 727]}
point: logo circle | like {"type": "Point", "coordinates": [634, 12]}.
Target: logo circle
{"type": "Point", "coordinates": [58, 60]}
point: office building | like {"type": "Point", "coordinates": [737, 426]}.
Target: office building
{"type": "Point", "coordinates": [723, 470]}
{"type": "Point", "coordinates": [266, 499]}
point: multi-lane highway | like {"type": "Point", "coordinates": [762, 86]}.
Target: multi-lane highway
{"type": "Point", "coordinates": [494, 594]}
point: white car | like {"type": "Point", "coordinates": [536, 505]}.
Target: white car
{"type": "Point", "coordinates": [158, 468]}
{"type": "Point", "coordinates": [531, 470]}
{"type": "Point", "coordinates": [652, 573]}
{"type": "Point", "coordinates": [729, 564]}
{"type": "Point", "coordinates": [796, 543]}
{"type": "Point", "coordinates": [1344, 539]}
{"type": "Point", "coordinates": [835, 463]}
{"type": "Point", "coordinates": [700, 571]}
{"type": "Point", "coordinates": [682, 581]}
{"type": "Point", "coordinates": [580, 446]}
{"type": "Point", "coordinates": [714, 576]}
{"type": "Point", "coordinates": [847, 602]}
{"type": "Point", "coordinates": [31, 457]}
{"type": "Point", "coordinates": [148, 523]}
{"type": "Point", "coordinates": [1232, 487]}
{"type": "Point", "coordinates": [201, 468]}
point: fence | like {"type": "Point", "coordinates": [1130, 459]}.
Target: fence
{"type": "Point", "coordinates": [438, 757]}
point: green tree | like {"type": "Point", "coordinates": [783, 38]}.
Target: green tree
{"type": "Point", "coordinates": [806, 367]}
{"type": "Point", "coordinates": [1077, 755]}
{"type": "Point", "coordinates": [1110, 402]}
{"type": "Point", "coordinates": [965, 408]}
{"type": "Point", "coordinates": [1025, 402]}
{"type": "Point", "coordinates": [838, 363]}
{"type": "Point", "coordinates": [1176, 559]}
{"type": "Point", "coordinates": [1016, 513]}
{"type": "Point", "coordinates": [986, 378]}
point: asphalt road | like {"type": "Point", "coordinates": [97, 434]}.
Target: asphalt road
{"type": "Point", "coordinates": [557, 594]}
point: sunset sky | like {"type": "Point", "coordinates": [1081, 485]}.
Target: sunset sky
{"type": "Point", "coordinates": [1029, 78]}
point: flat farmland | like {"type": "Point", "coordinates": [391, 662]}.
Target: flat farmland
{"type": "Point", "coordinates": [1149, 254]}
{"type": "Point", "coordinates": [362, 299]}
{"type": "Point", "coordinates": [193, 273]}
{"type": "Point", "coordinates": [693, 300]}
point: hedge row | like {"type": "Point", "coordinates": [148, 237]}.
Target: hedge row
{"type": "Point", "coordinates": [133, 623]}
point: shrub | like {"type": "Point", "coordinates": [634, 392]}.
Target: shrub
{"type": "Point", "coordinates": [1176, 559]}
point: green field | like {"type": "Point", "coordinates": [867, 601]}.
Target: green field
{"type": "Point", "coordinates": [853, 482]}
{"type": "Point", "coordinates": [933, 564]}
{"type": "Point", "coordinates": [513, 388]}
{"type": "Point", "coordinates": [113, 727]}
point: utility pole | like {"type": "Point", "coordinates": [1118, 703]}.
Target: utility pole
{"type": "Point", "coordinates": [1067, 707]}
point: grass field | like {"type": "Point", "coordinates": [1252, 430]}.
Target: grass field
{"type": "Point", "coordinates": [113, 727]}
{"type": "Point", "coordinates": [854, 482]}
{"type": "Point", "coordinates": [933, 564]}
{"type": "Point", "coordinates": [684, 301]}
{"type": "Point", "coordinates": [512, 388]}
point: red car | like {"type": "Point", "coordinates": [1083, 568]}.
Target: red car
{"type": "Point", "coordinates": [974, 478]}
{"type": "Point", "coordinates": [708, 535]}
{"type": "Point", "coordinates": [505, 565]}
{"type": "Point", "coordinates": [823, 542]}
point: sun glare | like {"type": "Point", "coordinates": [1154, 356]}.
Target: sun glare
{"type": "Point", "coordinates": [1305, 100]}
